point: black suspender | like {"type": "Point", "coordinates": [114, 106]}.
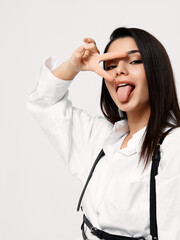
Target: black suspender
{"type": "Point", "coordinates": [101, 154]}
{"type": "Point", "coordinates": [153, 221]}
{"type": "Point", "coordinates": [154, 168]}
{"type": "Point", "coordinates": [154, 171]}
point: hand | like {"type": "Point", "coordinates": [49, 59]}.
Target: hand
{"type": "Point", "coordinates": [87, 58]}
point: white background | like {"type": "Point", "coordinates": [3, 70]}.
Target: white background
{"type": "Point", "coordinates": [38, 195]}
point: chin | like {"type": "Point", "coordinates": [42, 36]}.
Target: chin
{"type": "Point", "coordinates": [128, 106]}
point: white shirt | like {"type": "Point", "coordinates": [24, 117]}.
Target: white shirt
{"type": "Point", "coordinates": [117, 197]}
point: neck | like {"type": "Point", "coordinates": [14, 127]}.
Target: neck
{"type": "Point", "coordinates": [137, 120]}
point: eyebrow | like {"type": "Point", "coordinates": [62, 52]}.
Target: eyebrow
{"type": "Point", "coordinates": [133, 51]}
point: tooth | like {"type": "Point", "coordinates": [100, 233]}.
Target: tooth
{"type": "Point", "coordinates": [122, 84]}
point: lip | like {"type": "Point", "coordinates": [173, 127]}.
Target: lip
{"type": "Point", "coordinates": [125, 81]}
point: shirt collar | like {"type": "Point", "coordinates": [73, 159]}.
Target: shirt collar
{"type": "Point", "coordinates": [137, 140]}
{"type": "Point", "coordinates": [119, 129]}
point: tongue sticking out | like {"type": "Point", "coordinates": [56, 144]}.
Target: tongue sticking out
{"type": "Point", "coordinates": [124, 92]}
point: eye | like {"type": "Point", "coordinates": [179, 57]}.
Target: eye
{"type": "Point", "coordinates": [136, 62]}
{"type": "Point", "coordinates": [110, 67]}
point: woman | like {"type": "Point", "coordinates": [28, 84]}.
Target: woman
{"type": "Point", "coordinates": [139, 102]}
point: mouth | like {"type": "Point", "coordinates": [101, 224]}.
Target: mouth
{"type": "Point", "coordinates": [125, 84]}
{"type": "Point", "coordinates": [125, 91]}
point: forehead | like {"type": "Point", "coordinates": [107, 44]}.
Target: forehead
{"type": "Point", "coordinates": [122, 45]}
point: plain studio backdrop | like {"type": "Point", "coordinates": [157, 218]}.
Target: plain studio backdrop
{"type": "Point", "coordinates": [38, 195]}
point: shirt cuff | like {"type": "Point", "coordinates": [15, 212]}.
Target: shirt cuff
{"type": "Point", "coordinates": [49, 89]}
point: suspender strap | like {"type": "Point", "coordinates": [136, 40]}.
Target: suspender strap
{"type": "Point", "coordinates": [102, 234]}
{"type": "Point", "coordinates": [154, 167]}
{"type": "Point", "coordinates": [154, 171]}
{"type": "Point", "coordinates": [101, 154]}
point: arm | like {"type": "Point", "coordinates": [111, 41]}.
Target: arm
{"type": "Point", "coordinates": [69, 129]}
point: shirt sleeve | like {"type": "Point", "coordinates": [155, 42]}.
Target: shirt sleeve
{"type": "Point", "coordinates": [168, 189]}
{"type": "Point", "coordinates": [69, 129]}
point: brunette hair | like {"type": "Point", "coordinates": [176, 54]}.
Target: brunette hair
{"type": "Point", "coordinates": [163, 99]}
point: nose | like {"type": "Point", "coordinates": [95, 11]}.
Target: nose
{"type": "Point", "coordinates": [121, 70]}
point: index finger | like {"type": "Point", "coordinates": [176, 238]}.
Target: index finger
{"type": "Point", "coordinates": [101, 72]}
{"type": "Point", "coordinates": [112, 55]}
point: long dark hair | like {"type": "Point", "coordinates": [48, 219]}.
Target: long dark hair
{"type": "Point", "coordinates": [163, 99]}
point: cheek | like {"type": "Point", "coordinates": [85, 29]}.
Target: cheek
{"type": "Point", "coordinates": [108, 85]}
{"type": "Point", "coordinates": [112, 72]}
{"type": "Point", "coordinates": [140, 78]}
{"type": "Point", "coordinates": [144, 89]}
{"type": "Point", "coordinates": [145, 83]}
{"type": "Point", "coordinates": [147, 91]}
{"type": "Point", "coordinates": [138, 72]}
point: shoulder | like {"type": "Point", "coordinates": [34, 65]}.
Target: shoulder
{"type": "Point", "coordinates": [173, 138]}
{"type": "Point", "coordinates": [170, 153]}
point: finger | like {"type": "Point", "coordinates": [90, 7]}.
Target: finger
{"type": "Point", "coordinates": [112, 55]}
{"type": "Point", "coordinates": [79, 52]}
{"type": "Point", "coordinates": [91, 46]}
{"type": "Point", "coordinates": [86, 54]}
{"type": "Point", "coordinates": [103, 73]}
{"type": "Point", "coordinates": [89, 40]}
{"type": "Point", "coordinates": [81, 49]}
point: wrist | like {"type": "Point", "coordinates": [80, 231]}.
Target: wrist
{"type": "Point", "coordinates": [65, 71]}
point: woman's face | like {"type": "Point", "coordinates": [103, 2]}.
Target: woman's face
{"type": "Point", "coordinates": [128, 70]}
